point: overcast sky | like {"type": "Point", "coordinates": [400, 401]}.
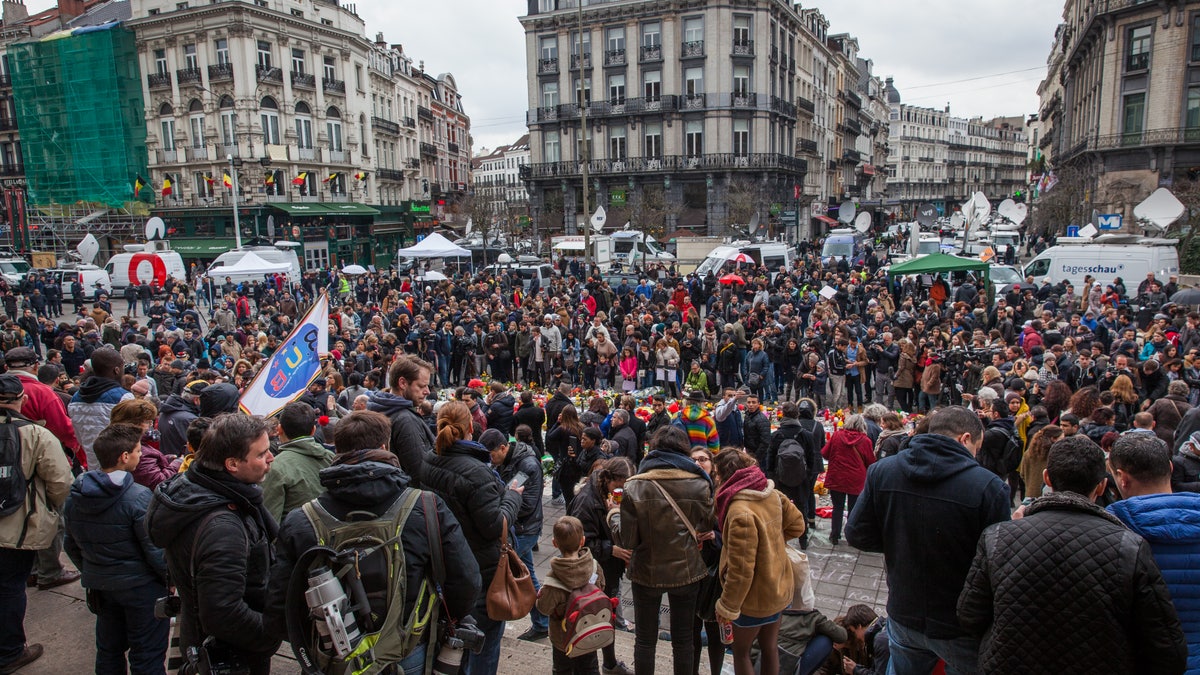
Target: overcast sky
{"type": "Point", "coordinates": [928, 46]}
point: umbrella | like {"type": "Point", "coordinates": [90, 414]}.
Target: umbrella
{"type": "Point", "coordinates": [1188, 296]}
{"type": "Point", "coordinates": [432, 275]}
{"type": "Point", "coordinates": [730, 279]}
{"type": "Point", "coordinates": [742, 258]}
{"type": "Point", "coordinates": [1020, 287]}
{"type": "Point", "coordinates": [354, 269]}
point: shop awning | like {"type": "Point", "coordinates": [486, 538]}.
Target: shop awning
{"type": "Point", "coordinates": [349, 209]}
{"type": "Point", "coordinates": [200, 247]}
{"type": "Point", "coordinates": [826, 219]}
{"type": "Point", "coordinates": [301, 208]}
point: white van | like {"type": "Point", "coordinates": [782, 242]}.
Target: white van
{"type": "Point", "coordinates": [151, 263]}
{"type": "Point", "coordinates": [281, 252]}
{"type": "Point", "coordinates": [1105, 258]}
{"type": "Point", "coordinates": [543, 272]}
{"type": "Point", "coordinates": [843, 243]}
{"type": "Point", "coordinates": [88, 276]}
{"type": "Point", "coordinates": [772, 254]}
{"type": "Point", "coordinates": [628, 248]}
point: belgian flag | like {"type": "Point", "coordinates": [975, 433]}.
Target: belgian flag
{"type": "Point", "coordinates": [166, 188]}
{"type": "Point", "coordinates": [269, 179]}
{"type": "Point", "coordinates": [299, 180]}
{"type": "Point", "coordinates": [138, 184]}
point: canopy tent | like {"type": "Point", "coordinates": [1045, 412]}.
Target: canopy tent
{"type": "Point", "coordinates": [434, 246]}
{"type": "Point", "coordinates": [935, 263]}
{"type": "Point", "coordinates": [251, 263]}
{"type": "Point", "coordinates": [569, 246]}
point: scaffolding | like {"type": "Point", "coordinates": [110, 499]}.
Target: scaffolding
{"type": "Point", "coordinates": [79, 106]}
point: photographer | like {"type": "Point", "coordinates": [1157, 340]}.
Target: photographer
{"type": "Point", "coordinates": [885, 357]}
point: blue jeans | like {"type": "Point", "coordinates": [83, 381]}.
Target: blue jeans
{"type": "Point", "coordinates": [125, 622]}
{"type": "Point", "coordinates": [926, 402]}
{"type": "Point", "coordinates": [819, 649]}
{"type": "Point", "coordinates": [414, 663]}
{"type": "Point", "coordinates": [525, 550]}
{"type": "Point", "coordinates": [914, 654]}
{"type": "Point", "coordinates": [15, 566]}
{"type": "Point", "coordinates": [487, 661]}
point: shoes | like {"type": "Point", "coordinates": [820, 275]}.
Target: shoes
{"type": "Point", "coordinates": [32, 653]}
{"type": "Point", "coordinates": [664, 635]}
{"type": "Point", "coordinates": [619, 669]}
{"type": "Point", "coordinates": [558, 501]}
{"type": "Point", "coordinates": [834, 541]}
{"type": "Point", "coordinates": [67, 577]}
{"type": "Point", "coordinates": [533, 635]}
{"type": "Point", "coordinates": [625, 626]}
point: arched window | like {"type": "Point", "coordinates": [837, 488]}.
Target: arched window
{"type": "Point", "coordinates": [269, 112]}
{"type": "Point", "coordinates": [304, 130]}
{"type": "Point", "coordinates": [228, 124]}
{"type": "Point", "coordinates": [333, 128]}
{"type": "Point", "coordinates": [196, 123]}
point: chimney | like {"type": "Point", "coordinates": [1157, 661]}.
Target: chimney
{"type": "Point", "coordinates": [379, 41]}
{"type": "Point", "coordinates": [14, 12]}
{"type": "Point", "coordinates": [69, 9]}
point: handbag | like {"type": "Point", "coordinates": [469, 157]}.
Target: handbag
{"type": "Point", "coordinates": [710, 585]}
{"type": "Point", "coordinates": [511, 594]}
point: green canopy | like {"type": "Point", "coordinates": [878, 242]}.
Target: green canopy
{"type": "Point", "coordinates": [935, 263]}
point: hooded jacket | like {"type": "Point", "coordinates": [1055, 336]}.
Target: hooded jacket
{"type": "Point", "coordinates": [373, 487]}
{"type": "Point", "coordinates": [293, 478]}
{"type": "Point", "coordinates": [924, 509]}
{"type": "Point", "coordinates": [1068, 589]}
{"type": "Point", "coordinates": [995, 442]}
{"type": "Point", "coordinates": [699, 425]}
{"type": "Point", "coordinates": [756, 434]}
{"type": "Point", "coordinates": [90, 409]}
{"type": "Point", "coordinates": [522, 459]}
{"type": "Point", "coordinates": [174, 417]}
{"type": "Point", "coordinates": [154, 468]}
{"type": "Point", "coordinates": [48, 469]}
{"type": "Point", "coordinates": [412, 440]}
{"type": "Point", "coordinates": [219, 398]}
{"type": "Point", "coordinates": [573, 572]}
{"type": "Point", "coordinates": [500, 413]}
{"type": "Point", "coordinates": [223, 589]}
{"type": "Point", "coordinates": [106, 532]}
{"type": "Point", "coordinates": [756, 573]}
{"type": "Point", "coordinates": [1170, 523]}
{"type": "Point", "coordinates": [849, 452]}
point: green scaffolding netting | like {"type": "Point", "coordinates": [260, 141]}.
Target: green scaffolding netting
{"type": "Point", "coordinates": [81, 115]}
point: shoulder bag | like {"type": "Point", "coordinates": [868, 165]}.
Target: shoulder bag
{"type": "Point", "coordinates": [511, 594]}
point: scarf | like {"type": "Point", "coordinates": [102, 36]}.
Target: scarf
{"type": "Point", "coordinates": [749, 478]}
{"type": "Point", "coordinates": [249, 496]}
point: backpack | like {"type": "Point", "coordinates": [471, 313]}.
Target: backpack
{"type": "Point", "coordinates": [15, 488]}
{"type": "Point", "coordinates": [1011, 457]}
{"type": "Point", "coordinates": [791, 465]}
{"type": "Point", "coordinates": [367, 557]}
{"type": "Point", "coordinates": [589, 619]}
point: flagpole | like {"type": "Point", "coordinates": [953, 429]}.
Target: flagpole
{"type": "Point", "coordinates": [237, 226]}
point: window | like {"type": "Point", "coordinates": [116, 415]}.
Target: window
{"type": "Point", "coordinates": [228, 122]}
{"type": "Point", "coordinates": [196, 123]}
{"type": "Point", "coordinates": [653, 140]}
{"type": "Point", "coordinates": [222, 46]}
{"type": "Point", "coordinates": [1137, 57]}
{"type": "Point", "coordinates": [741, 80]}
{"type": "Point", "coordinates": [160, 61]}
{"type": "Point", "coordinates": [358, 76]}
{"type": "Point", "coordinates": [264, 54]}
{"type": "Point", "coordinates": [203, 189]}
{"type": "Point", "coordinates": [333, 128]}
{"type": "Point", "coordinates": [616, 39]}
{"type": "Point", "coordinates": [652, 85]}
{"type": "Point", "coordinates": [693, 138]}
{"type": "Point", "coordinates": [269, 115]}
{"type": "Point", "coordinates": [330, 70]}
{"type": "Point", "coordinates": [616, 89]}
{"type": "Point", "coordinates": [317, 258]}
{"type": "Point", "coordinates": [189, 57]}
{"type": "Point", "coordinates": [693, 29]}
{"type": "Point", "coordinates": [585, 96]}
{"type": "Point", "coordinates": [552, 147]}
{"type": "Point", "coordinates": [298, 13]}
{"type": "Point", "coordinates": [304, 135]}
{"type": "Point", "coordinates": [1195, 38]}
{"type": "Point", "coordinates": [693, 81]}
{"type": "Point", "coordinates": [652, 34]}
{"type": "Point", "coordinates": [616, 143]}
{"type": "Point", "coordinates": [167, 124]}
{"type": "Point", "coordinates": [741, 30]}
{"type": "Point", "coordinates": [549, 47]}
{"type": "Point", "coordinates": [1192, 116]}
{"type": "Point", "coordinates": [587, 42]}
{"type": "Point", "coordinates": [549, 94]}
{"type": "Point", "coordinates": [298, 61]}
{"type": "Point", "coordinates": [1134, 116]}
{"type": "Point", "coordinates": [741, 137]}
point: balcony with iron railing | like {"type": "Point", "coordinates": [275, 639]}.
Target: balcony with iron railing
{"type": "Point", "coordinates": [667, 164]}
{"type": "Point", "coordinates": [410, 123]}
{"type": "Point", "coordinates": [851, 156]}
{"type": "Point", "coordinates": [304, 80]}
{"type": "Point", "coordinates": [8, 124]}
{"type": "Point", "coordinates": [547, 66]}
{"type": "Point", "coordinates": [331, 86]}
{"type": "Point", "coordinates": [785, 108]}
{"type": "Point", "coordinates": [412, 163]}
{"type": "Point", "coordinates": [5, 81]}
{"type": "Point", "coordinates": [806, 105]}
{"type": "Point", "coordinates": [306, 153]}
{"type": "Point", "coordinates": [651, 53]}
{"type": "Point", "coordinates": [805, 145]}
{"type": "Point", "coordinates": [853, 99]}
{"type": "Point", "coordinates": [743, 99]}
{"type": "Point", "coordinates": [389, 174]}
{"type": "Point", "coordinates": [184, 75]}
{"type": "Point", "coordinates": [452, 147]}
{"type": "Point", "coordinates": [159, 80]}
{"type": "Point", "coordinates": [693, 49]}
{"type": "Point", "coordinates": [852, 126]}
{"type": "Point", "coordinates": [773, 55]}
{"type": "Point", "coordinates": [386, 126]}
{"type": "Point", "coordinates": [429, 149]}
{"type": "Point", "coordinates": [220, 72]}
{"type": "Point", "coordinates": [199, 154]}
{"type": "Point", "coordinates": [424, 113]}
{"type": "Point", "coordinates": [8, 170]}
{"type": "Point", "coordinates": [743, 48]}
{"type": "Point", "coordinates": [265, 74]}
{"type": "Point", "coordinates": [614, 57]}
{"type": "Point", "coordinates": [587, 61]}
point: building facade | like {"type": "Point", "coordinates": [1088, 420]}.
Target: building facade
{"type": "Point", "coordinates": [1120, 107]}
{"type": "Point", "coordinates": [497, 179]}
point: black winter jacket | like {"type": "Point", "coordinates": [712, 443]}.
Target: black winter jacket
{"type": "Point", "coordinates": [373, 487]}
{"type": "Point", "coordinates": [500, 413]}
{"type": "Point", "coordinates": [789, 429]}
{"type": "Point", "coordinates": [1185, 475]}
{"type": "Point", "coordinates": [534, 417]}
{"type": "Point", "coordinates": [412, 440]}
{"type": "Point", "coordinates": [1069, 558]}
{"type": "Point", "coordinates": [226, 596]}
{"type": "Point", "coordinates": [924, 509]}
{"type": "Point", "coordinates": [522, 459]}
{"type": "Point", "coordinates": [995, 442]}
{"type": "Point", "coordinates": [554, 408]}
{"type": "Point", "coordinates": [173, 420]}
{"type": "Point", "coordinates": [106, 533]}
{"type": "Point", "coordinates": [590, 508]}
{"type": "Point", "coordinates": [756, 433]}
{"type": "Point", "coordinates": [464, 477]}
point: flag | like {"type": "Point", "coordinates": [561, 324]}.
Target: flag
{"type": "Point", "coordinates": [209, 179]}
{"type": "Point", "coordinates": [361, 175]}
{"type": "Point", "coordinates": [293, 366]}
{"type": "Point", "coordinates": [138, 184]}
{"type": "Point", "coordinates": [299, 180]}
{"type": "Point", "coordinates": [227, 180]}
{"type": "Point", "coordinates": [166, 188]}
{"type": "Point", "coordinates": [330, 177]}
{"type": "Point", "coordinates": [270, 178]}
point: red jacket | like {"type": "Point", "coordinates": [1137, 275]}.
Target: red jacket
{"type": "Point", "coordinates": [1031, 338]}
{"type": "Point", "coordinates": [590, 303]}
{"type": "Point", "coordinates": [849, 454]}
{"type": "Point", "coordinates": [44, 406]}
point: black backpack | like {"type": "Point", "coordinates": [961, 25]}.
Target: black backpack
{"type": "Point", "coordinates": [15, 487]}
{"type": "Point", "coordinates": [1010, 459]}
{"type": "Point", "coordinates": [792, 465]}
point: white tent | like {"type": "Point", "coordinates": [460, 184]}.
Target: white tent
{"type": "Point", "coordinates": [569, 245]}
{"type": "Point", "coordinates": [434, 246]}
{"type": "Point", "coordinates": [250, 263]}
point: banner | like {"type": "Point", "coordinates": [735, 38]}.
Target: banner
{"type": "Point", "coordinates": [293, 366]}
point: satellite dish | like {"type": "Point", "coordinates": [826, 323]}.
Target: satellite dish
{"type": "Point", "coordinates": [599, 218]}
{"type": "Point", "coordinates": [957, 221]}
{"type": "Point", "coordinates": [504, 259]}
{"type": "Point", "coordinates": [270, 227]}
{"type": "Point", "coordinates": [863, 222]}
{"type": "Point", "coordinates": [753, 226]}
{"type": "Point", "coordinates": [1019, 214]}
{"type": "Point", "coordinates": [1160, 210]}
{"type": "Point", "coordinates": [982, 206]}
{"type": "Point", "coordinates": [628, 226]}
{"type": "Point", "coordinates": [1088, 231]}
{"type": "Point", "coordinates": [847, 211]}
{"type": "Point", "coordinates": [470, 226]}
{"type": "Point", "coordinates": [89, 247]}
{"type": "Point", "coordinates": [926, 214]}
{"type": "Point", "coordinates": [1006, 208]}
{"type": "Point", "coordinates": [155, 228]}
{"type": "Point", "coordinates": [1095, 218]}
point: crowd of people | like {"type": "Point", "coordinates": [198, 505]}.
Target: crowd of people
{"type": "Point", "coordinates": [1015, 461]}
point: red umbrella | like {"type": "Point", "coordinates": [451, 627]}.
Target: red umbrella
{"type": "Point", "coordinates": [742, 258]}
{"type": "Point", "coordinates": [731, 279]}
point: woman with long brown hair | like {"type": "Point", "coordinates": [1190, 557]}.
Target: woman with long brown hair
{"type": "Point", "coordinates": [461, 473]}
{"type": "Point", "coordinates": [1125, 402]}
{"type": "Point", "coordinates": [1085, 402]}
{"type": "Point", "coordinates": [1034, 461]}
{"type": "Point", "coordinates": [563, 444]}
